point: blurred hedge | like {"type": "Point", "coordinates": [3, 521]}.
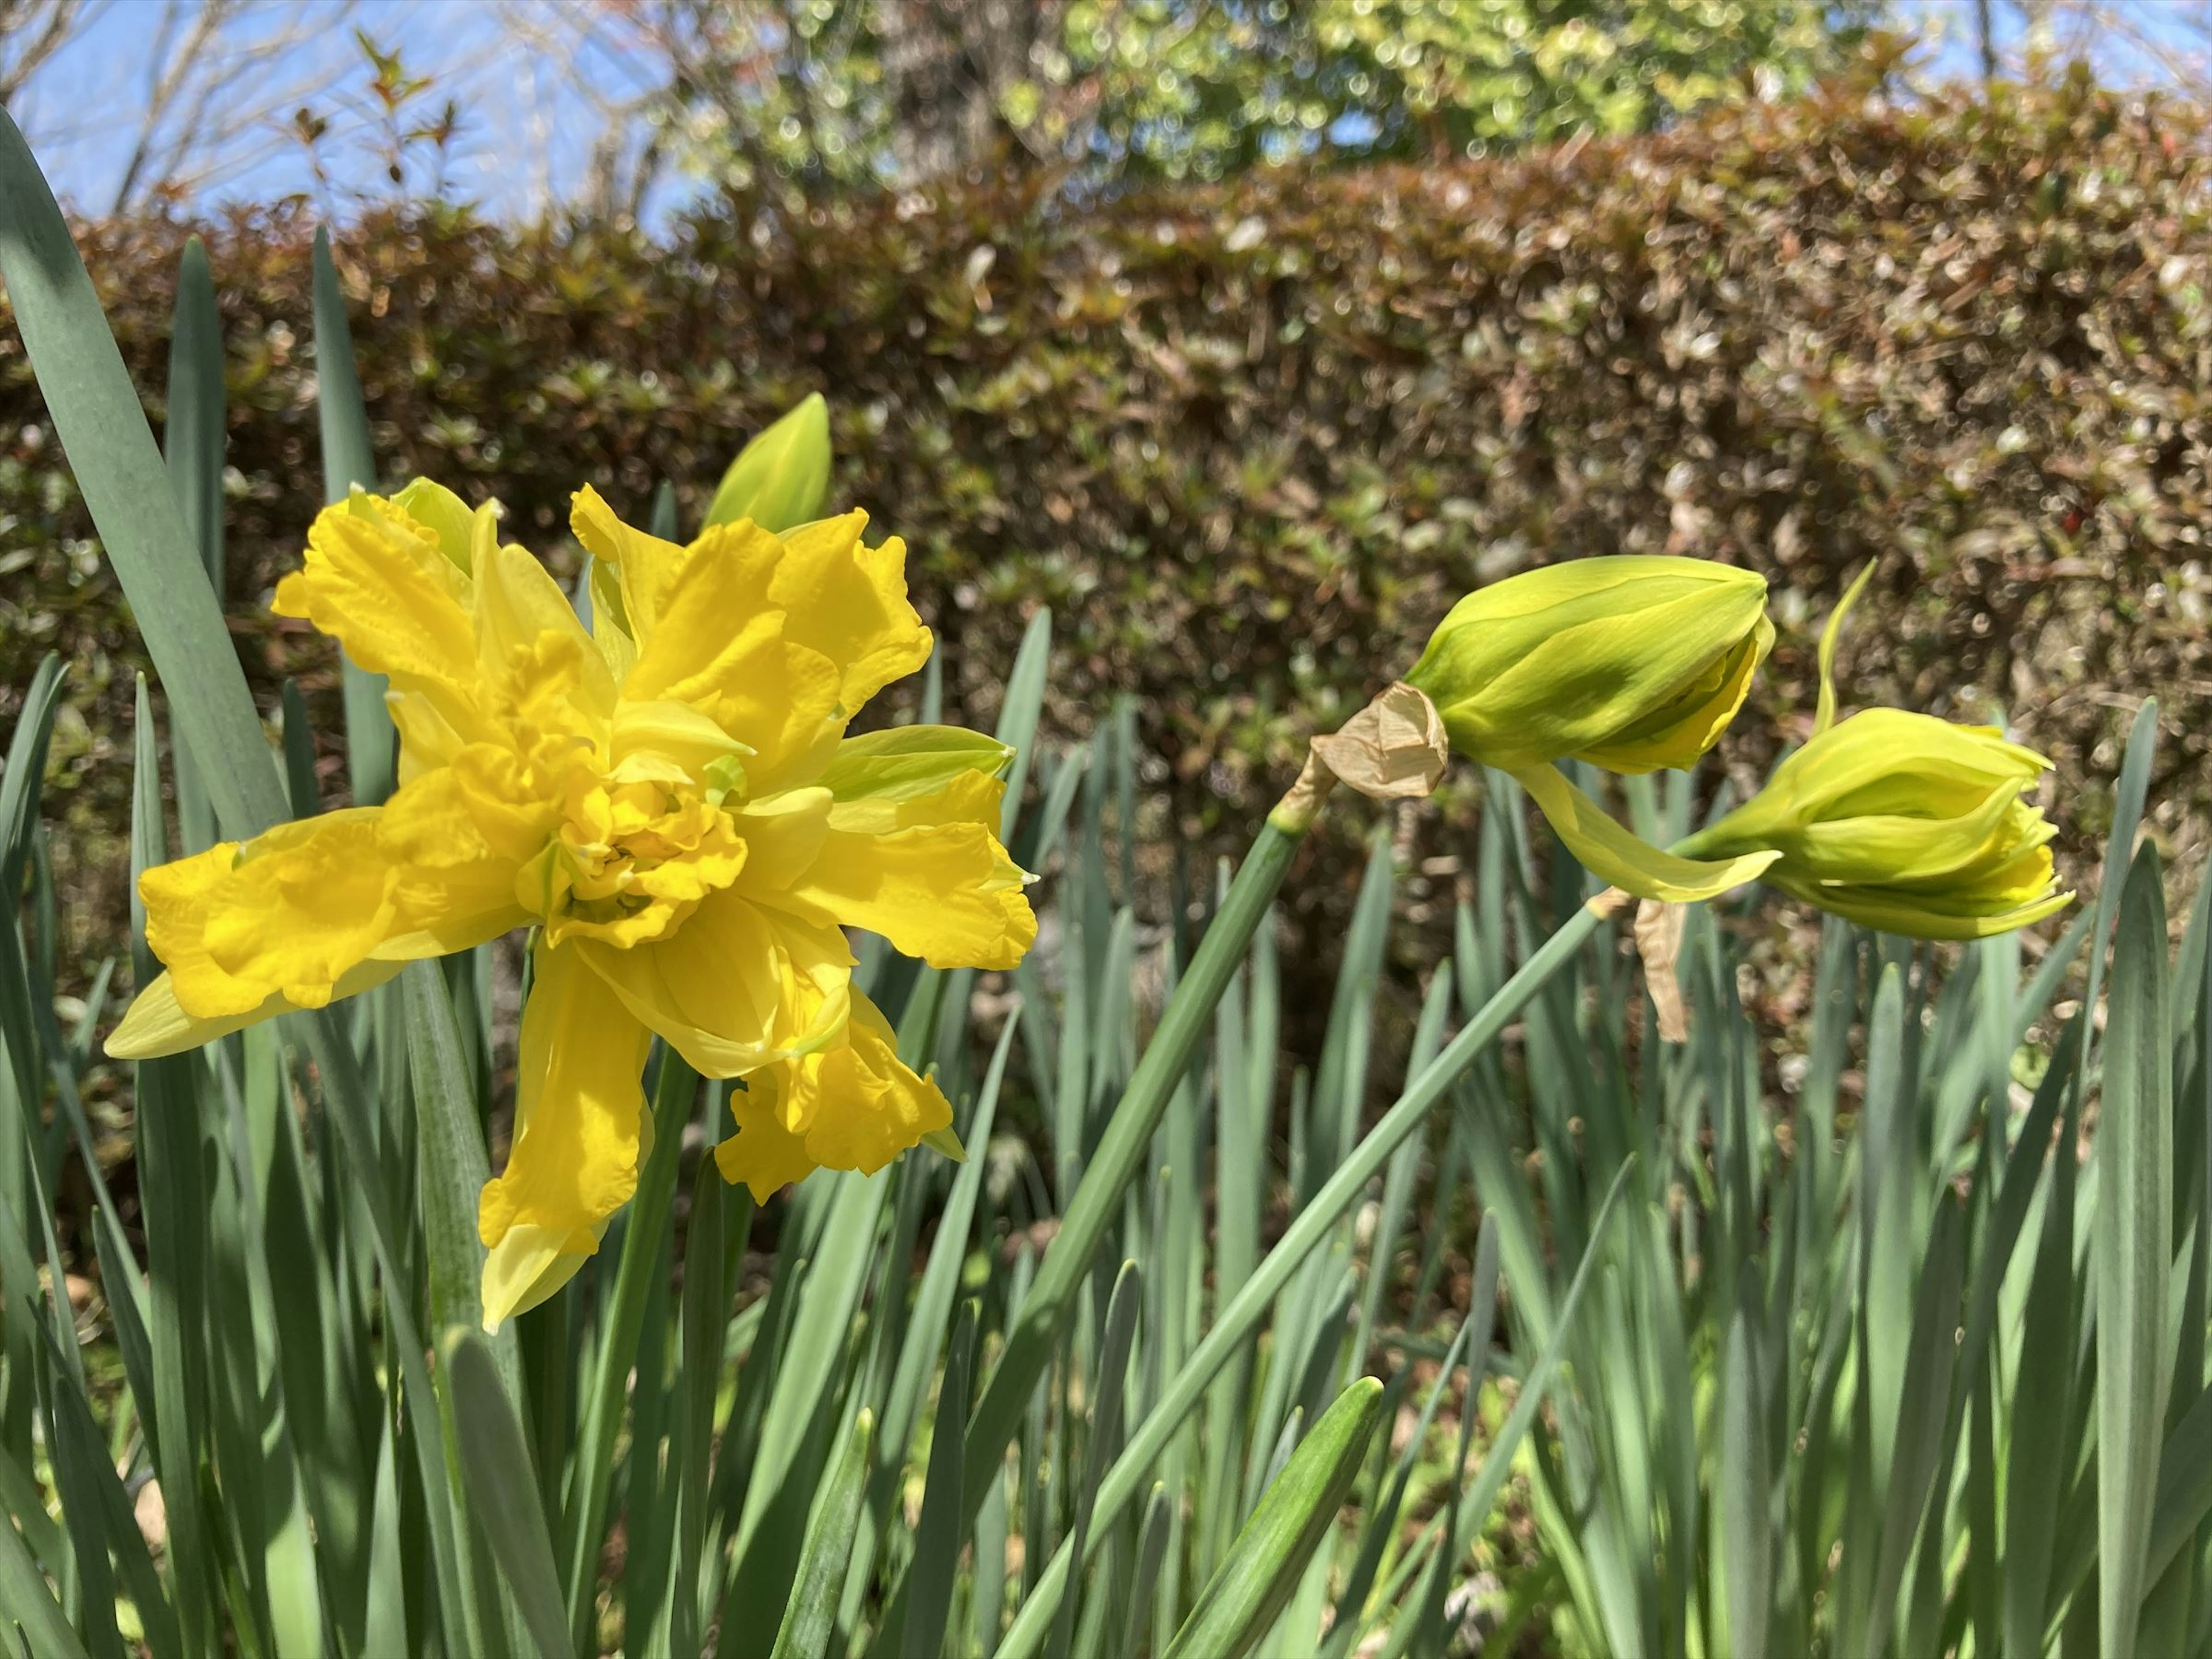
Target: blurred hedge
{"type": "Point", "coordinates": [1249, 441]}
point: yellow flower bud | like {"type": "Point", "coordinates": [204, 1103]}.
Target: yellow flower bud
{"type": "Point", "coordinates": [1899, 821]}
{"type": "Point", "coordinates": [1631, 662]}
{"type": "Point", "coordinates": [1903, 822]}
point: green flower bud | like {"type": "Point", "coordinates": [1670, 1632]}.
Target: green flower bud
{"type": "Point", "coordinates": [780, 479]}
{"type": "Point", "coordinates": [1631, 662]}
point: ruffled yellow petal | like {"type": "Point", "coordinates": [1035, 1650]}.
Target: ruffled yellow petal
{"type": "Point", "coordinates": [783, 836]}
{"type": "Point", "coordinates": [854, 1106]}
{"type": "Point", "coordinates": [847, 601]}
{"type": "Point", "coordinates": [312, 911]}
{"type": "Point", "coordinates": [287, 913]}
{"type": "Point", "coordinates": [1613, 854]}
{"type": "Point", "coordinates": [763, 1154]}
{"type": "Point", "coordinates": [723, 647]}
{"type": "Point", "coordinates": [379, 583]}
{"type": "Point", "coordinates": [531, 649]}
{"type": "Point", "coordinates": [579, 1103]}
{"type": "Point", "coordinates": [644, 565]}
{"type": "Point", "coordinates": [737, 987]}
{"type": "Point", "coordinates": [456, 838]}
{"type": "Point", "coordinates": [928, 873]}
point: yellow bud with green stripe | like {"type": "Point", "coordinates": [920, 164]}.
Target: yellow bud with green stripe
{"type": "Point", "coordinates": [1903, 822]}
{"type": "Point", "coordinates": [1899, 821]}
{"type": "Point", "coordinates": [1631, 662]}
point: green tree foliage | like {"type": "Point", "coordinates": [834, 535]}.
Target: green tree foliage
{"type": "Point", "coordinates": [817, 98]}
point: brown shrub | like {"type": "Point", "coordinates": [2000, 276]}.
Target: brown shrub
{"type": "Point", "coordinates": [1249, 441]}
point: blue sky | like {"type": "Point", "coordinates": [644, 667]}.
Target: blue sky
{"type": "Point", "coordinates": [520, 138]}
{"type": "Point", "coordinates": [526, 132]}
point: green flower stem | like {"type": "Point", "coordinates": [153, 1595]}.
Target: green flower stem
{"type": "Point", "coordinates": [649, 1207]}
{"type": "Point", "coordinates": [1131, 1472]}
{"type": "Point", "coordinates": [1122, 1151]}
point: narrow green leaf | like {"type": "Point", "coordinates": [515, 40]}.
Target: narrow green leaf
{"type": "Point", "coordinates": [1153, 1538]}
{"type": "Point", "coordinates": [1474, 1505]}
{"type": "Point", "coordinates": [27, 1604]}
{"type": "Point", "coordinates": [1239, 1605]}
{"type": "Point", "coordinates": [451, 1165]}
{"type": "Point", "coordinates": [350, 460]}
{"type": "Point", "coordinates": [2043, 1407]}
{"type": "Point", "coordinates": [502, 1485]}
{"type": "Point", "coordinates": [938, 1537]}
{"type": "Point", "coordinates": [1018, 711]}
{"type": "Point", "coordinates": [809, 1616]}
{"type": "Point", "coordinates": [800, 1415]}
{"type": "Point", "coordinates": [299, 741]}
{"type": "Point", "coordinates": [645, 1223]}
{"type": "Point", "coordinates": [1930, 1360]}
{"type": "Point", "coordinates": [126, 488]}
{"type": "Point", "coordinates": [2131, 1248]}
{"type": "Point", "coordinates": [1234, 1323]}
{"type": "Point", "coordinates": [173, 1209]}
{"type": "Point", "coordinates": [1379, 1521]}
{"type": "Point", "coordinates": [354, 1111]}
{"type": "Point", "coordinates": [193, 444]}
{"type": "Point", "coordinates": [79, 1468]}
{"type": "Point", "coordinates": [1105, 1435]}
{"type": "Point", "coordinates": [716, 1208]}
{"type": "Point", "coordinates": [1746, 1527]}
{"type": "Point", "coordinates": [940, 1275]}
{"type": "Point", "coordinates": [1120, 1155]}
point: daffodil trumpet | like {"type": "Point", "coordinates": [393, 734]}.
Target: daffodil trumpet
{"type": "Point", "coordinates": [669, 799]}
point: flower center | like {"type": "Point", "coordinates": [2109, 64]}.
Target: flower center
{"type": "Point", "coordinates": [636, 852]}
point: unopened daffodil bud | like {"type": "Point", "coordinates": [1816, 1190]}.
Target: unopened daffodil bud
{"type": "Point", "coordinates": [1631, 662]}
{"type": "Point", "coordinates": [781, 478]}
{"type": "Point", "coordinates": [1903, 822]}
{"type": "Point", "coordinates": [1900, 821]}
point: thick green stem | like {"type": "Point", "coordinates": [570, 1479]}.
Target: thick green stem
{"type": "Point", "coordinates": [1131, 1472]}
{"type": "Point", "coordinates": [1122, 1152]}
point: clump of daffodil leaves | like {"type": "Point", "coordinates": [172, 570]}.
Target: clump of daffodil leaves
{"type": "Point", "coordinates": [668, 798]}
{"type": "Point", "coordinates": [1897, 821]}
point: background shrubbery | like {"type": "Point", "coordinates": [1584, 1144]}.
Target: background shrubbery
{"type": "Point", "coordinates": [1247, 441]}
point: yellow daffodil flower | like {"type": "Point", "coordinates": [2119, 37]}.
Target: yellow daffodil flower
{"type": "Point", "coordinates": [1901, 822]}
{"type": "Point", "coordinates": [1630, 663]}
{"type": "Point", "coordinates": [670, 798]}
